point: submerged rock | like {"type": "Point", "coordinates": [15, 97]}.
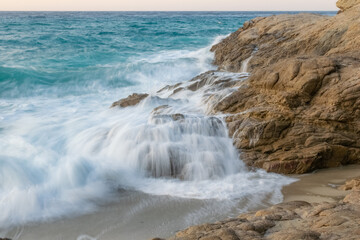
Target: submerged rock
{"type": "Point", "coordinates": [131, 100]}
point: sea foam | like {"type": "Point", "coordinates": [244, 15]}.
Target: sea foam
{"type": "Point", "coordinates": [63, 151]}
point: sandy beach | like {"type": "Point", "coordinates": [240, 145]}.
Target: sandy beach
{"type": "Point", "coordinates": [134, 216]}
{"type": "Point", "coordinates": [320, 186]}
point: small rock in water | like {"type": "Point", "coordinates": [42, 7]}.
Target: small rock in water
{"type": "Point", "coordinates": [131, 100]}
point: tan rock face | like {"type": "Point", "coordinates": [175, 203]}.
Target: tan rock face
{"type": "Point", "coordinates": [287, 221]}
{"type": "Point", "coordinates": [353, 184]}
{"type": "Point", "coordinates": [131, 100]}
{"type": "Point", "coordinates": [346, 4]}
{"type": "Point", "coordinates": [272, 39]}
{"type": "Point", "coordinates": [300, 108]}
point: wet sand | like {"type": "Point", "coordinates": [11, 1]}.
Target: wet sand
{"type": "Point", "coordinates": [135, 216]}
{"type": "Point", "coordinates": [138, 216]}
{"type": "Point", "coordinates": [320, 186]}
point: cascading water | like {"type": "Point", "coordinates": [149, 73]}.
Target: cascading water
{"type": "Point", "coordinates": [63, 151]}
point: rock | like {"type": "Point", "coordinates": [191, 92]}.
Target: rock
{"type": "Point", "coordinates": [352, 184]}
{"type": "Point", "coordinates": [339, 220]}
{"type": "Point", "coordinates": [300, 108]}
{"type": "Point", "coordinates": [298, 111]}
{"type": "Point", "coordinates": [160, 109]}
{"type": "Point", "coordinates": [291, 234]}
{"type": "Point", "coordinates": [275, 38]}
{"type": "Point", "coordinates": [347, 4]}
{"type": "Point", "coordinates": [131, 100]}
{"type": "Point", "coordinates": [353, 198]}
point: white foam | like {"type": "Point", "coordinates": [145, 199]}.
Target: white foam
{"type": "Point", "coordinates": [63, 155]}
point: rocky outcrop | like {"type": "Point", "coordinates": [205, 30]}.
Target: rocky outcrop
{"type": "Point", "coordinates": [346, 4]}
{"type": "Point", "coordinates": [300, 108]}
{"type": "Point", "coordinates": [287, 221]}
{"type": "Point", "coordinates": [297, 112]}
{"type": "Point", "coordinates": [131, 100]}
{"type": "Point", "coordinates": [275, 38]}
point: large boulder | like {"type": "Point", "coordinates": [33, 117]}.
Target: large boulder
{"type": "Point", "coordinates": [300, 108]}
{"type": "Point", "coordinates": [347, 4]}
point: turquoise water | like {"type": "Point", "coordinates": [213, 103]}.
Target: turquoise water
{"type": "Point", "coordinates": [82, 53]}
{"type": "Point", "coordinates": [92, 52]}
{"type": "Point", "coordinates": [63, 151]}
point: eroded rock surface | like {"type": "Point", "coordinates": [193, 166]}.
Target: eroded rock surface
{"type": "Point", "coordinates": [300, 108]}
{"type": "Point", "coordinates": [353, 184]}
{"type": "Point", "coordinates": [346, 4]}
{"type": "Point", "coordinates": [287, 221]}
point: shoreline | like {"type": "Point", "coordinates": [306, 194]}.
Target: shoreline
{"type": "Point", "coordinates": [320, 186]}
{"type": "Point", "coordinates": [290, 118]}
{"type": "Point", "coordinates": [313, 208]}
{"type": "Point", "coordinates": [108, 223]}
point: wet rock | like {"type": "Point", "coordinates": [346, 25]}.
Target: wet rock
{"type": "Point", "coordinates": [160, 109]}
{"type": "Point", "coordinates": [164, 118]}
{"type": "Point", "coordinates": [169, 88]}
{"type": "Point", "coordinates": [131, 100]}
{"type": "Point", "coordinates": [160, 114]}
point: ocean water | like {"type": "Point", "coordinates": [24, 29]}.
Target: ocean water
{"type": "Point", "coordinates": [64, 152]}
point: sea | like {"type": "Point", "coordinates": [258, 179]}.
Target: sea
{"type": "Point", "coordinates": [65, 153]}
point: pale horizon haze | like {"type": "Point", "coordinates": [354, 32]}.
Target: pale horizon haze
{"type": "Point", "coordinates": [168, 5]}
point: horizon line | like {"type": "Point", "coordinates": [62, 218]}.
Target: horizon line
{"type": "Point", "coordinates": [169, 10]}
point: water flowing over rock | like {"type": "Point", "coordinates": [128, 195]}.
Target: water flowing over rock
{"type": "Point", "coordinates": [182, 143]}
{"type": "Point", "coordinates": [184, 147]}
{"type": "Point", "coordinates": [298, 111]}
{"type": "Point", "coordinates": [300, 108]}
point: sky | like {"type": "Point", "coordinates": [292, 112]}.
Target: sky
{"type": "Point", "coordinates": [167, 5]}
